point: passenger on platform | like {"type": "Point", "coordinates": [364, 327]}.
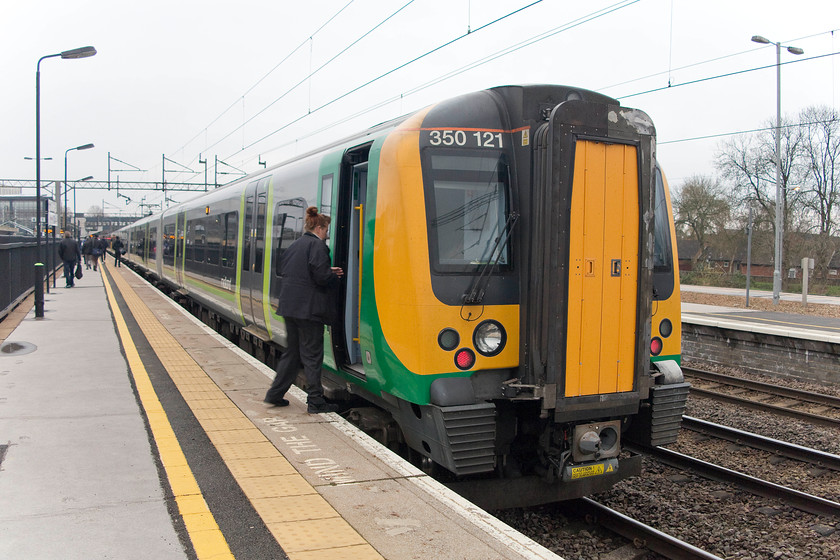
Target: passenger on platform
{"type": "Point", "coordinates": [87, 251]}
{"type": "Point", "coordinates": [102, 245]}
{"type": "Point", "coordinates": [306, 305]}
{"type": "Point", "coordinates": [69, 252]}
{"type": "Point", "coordinates": [95, 250]}
{"type": "Point", "coordinates": [117, 247]}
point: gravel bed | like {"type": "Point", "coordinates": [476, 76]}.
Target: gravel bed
{"type": "Point", "coordinates": [713, 516]}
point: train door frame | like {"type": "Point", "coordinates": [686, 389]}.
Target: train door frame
{"type": "Point", "coordinates": [349, 255]}
{"type": "Point", "coordinates": [254, 247]}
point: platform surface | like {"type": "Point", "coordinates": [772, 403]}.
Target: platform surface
{"type": "Point", "coordinates": [795, 325]}
{"type": "Point", "coordinates": [130, 430]}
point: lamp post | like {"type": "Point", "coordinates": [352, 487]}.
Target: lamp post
{"type": "Point", "coordinates": [81, 52]}
{"type": "Point", "coordinates": [780, 201]}
{"type": "Point", "coordinates": [83, 147]}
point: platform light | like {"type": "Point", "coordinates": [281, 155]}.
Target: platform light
{"type": "Point", "coordinates": [780, 203]}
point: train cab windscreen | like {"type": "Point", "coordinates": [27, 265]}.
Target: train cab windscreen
{"type": "Point", "coordinates": [467, 210]}
{"type": "Point", "coordinates": [663, 279]}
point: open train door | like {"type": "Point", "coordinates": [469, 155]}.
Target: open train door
{"type": "Point", "coordinates": [590, 278]}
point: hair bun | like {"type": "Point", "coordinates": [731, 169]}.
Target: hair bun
{"type": "Point", "coordinates": [312, 211]}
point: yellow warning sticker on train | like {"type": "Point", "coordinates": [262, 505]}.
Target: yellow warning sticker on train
{"type": "Point", "coordinates": [588, 470]}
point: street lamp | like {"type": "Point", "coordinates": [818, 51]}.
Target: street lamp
{"type": "Point", "coordinates": [780, 201]}
{"type": "Point", "coordinates": [81, 52]}
{"type": "Point", "coordinates": [84, 147]}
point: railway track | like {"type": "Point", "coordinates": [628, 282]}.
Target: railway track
{"type": "Point", "coordinates": [799, 500]}
{"type": "Point", "coordinates": [777, 447]}
{"type": "Point", "coordinates": [822, 409]}
{"type": "Point", "coordinates": [642, 536]}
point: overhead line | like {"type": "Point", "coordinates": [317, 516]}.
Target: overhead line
{"type": "Point", "coordinates": [514, 48]}
{"type": "Point", "coordinates": [727, 75]}
{"type": "Point", "coordinates": [297, 85]}
{"type": "Point", "coordinates": [258, 82]}
{"type": "Point", "coordinates": [764, 129]}
{"type": "Point", "coordinates": [702, 62]}
{"type": "Point", "coordinates": [401, 66]}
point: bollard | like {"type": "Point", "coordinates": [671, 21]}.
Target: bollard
{"type": "Point", "coordinates": [39, 289]}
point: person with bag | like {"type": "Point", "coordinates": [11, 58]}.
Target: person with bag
{"type": "Point", "coordinates": [95, 250]}
{"type": "Point", "coordinates": [306, 305]}
{"type": "Point", "coordinates": [117, 247]}
{"type": "Point", "coordinates": [102, 244]}
{"type": "Point", "coordinates": [87, 249]}
{"type": "Point", "coordinates": [69, 252]}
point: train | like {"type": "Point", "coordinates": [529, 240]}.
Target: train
{"type": "Point", "coordinates": [509, 315]}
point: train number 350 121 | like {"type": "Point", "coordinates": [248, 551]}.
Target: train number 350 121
{"type": "Point", "coordinates": [477, 139]}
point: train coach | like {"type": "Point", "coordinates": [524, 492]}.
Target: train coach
{"type": "Point", "coordinates": [510, 308]}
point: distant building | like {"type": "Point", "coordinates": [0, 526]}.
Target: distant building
{"type": "Point", "coordinates": [18, 213]}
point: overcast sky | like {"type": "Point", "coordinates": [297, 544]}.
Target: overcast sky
{"type": "Point", "coordinates": [229, 79]}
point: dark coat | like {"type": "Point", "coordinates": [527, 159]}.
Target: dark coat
{"type": "Point", "coordinates": [117, 246]}
{"type": "Point", "coordinates": [306, 280]}
{"type": "Point", "coordinates": [99, 247]}
{"type": "Point", "coordinates": [68, 250]}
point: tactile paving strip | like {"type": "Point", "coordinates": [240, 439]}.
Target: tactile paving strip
{"type": "Point", "coordinates": [302, 521]}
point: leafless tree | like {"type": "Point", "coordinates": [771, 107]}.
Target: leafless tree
{"type": "Point", "coordinates": [820, 128]}
{"type": "Point", "coordinates": [747, 165]}
{"type": "Point", "coordinates": [701, 209]}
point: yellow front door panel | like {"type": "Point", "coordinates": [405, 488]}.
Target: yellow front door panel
{"type": "Point", "coordinates": [603, 269]}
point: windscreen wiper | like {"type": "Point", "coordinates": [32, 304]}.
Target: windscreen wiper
{"type": "Point", "coordinates": [475, 295]}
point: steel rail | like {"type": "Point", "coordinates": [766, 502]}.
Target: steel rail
{"type": "Point", "coordinates": [816, 398]}
{"type": "Point", "coordinates": [799, 500]}
{"type": "Point", "coordinates": [757, 405]}
{"type": "Point", "coordinates": [641, 534]}
{"type": "Point", "coordinates": [777, 447]}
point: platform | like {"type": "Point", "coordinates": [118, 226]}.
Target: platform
{"type": "Point", "coordinates": [774, 323]}
{"type": "Point", "coordinates": [128, 429]}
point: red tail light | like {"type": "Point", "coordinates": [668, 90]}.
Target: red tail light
{"type": "Point", "coordinates": [656, 346]}
{"type": "Point", "coordinates": [464, 358]}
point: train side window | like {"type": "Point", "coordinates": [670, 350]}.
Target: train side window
{"type": "Point", "coordinates": [169, 244]}
{"type": "Point", "coordinates": [152, 242]}
{"type": "Point", "coordinates": [189, 254]}
{"type": "Point", "coordinates": [229, 249]}
{"type": "Point", "coordinates": [288, 226]}
{"type": "Point", "coordinates": [662, 260]}
{"type": "Point", "coordinates": [246, 234]}
{"type": "Point", "coordinates": [199, 241]}
{"type": "Point", "coordinates": [326, 194]}
{"type": "Point", "coordinates": [259, 237]}
{"type": "Point", "coordinates": [663, 252]}
{"type": "Point", "coordinates": [214, 239]}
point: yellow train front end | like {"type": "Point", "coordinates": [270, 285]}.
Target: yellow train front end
{"type": "Point", "coordinates": [510, 239]}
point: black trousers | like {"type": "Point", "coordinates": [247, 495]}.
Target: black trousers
{"type": "Point", "coordinates": [305, 346]}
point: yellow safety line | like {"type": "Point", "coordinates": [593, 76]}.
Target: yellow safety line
{"type": "Point", "coordinates": [299, 518]}
{"type": "Point", "coordinates": [207, 539]}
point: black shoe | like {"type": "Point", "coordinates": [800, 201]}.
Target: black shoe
{"type": "Point", "coordinates": [321, 408]}
{"type": "Point", "coordinates": [278, 402]}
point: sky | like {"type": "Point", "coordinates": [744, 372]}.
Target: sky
{"type": "Point", "coordinates": [260, 80]}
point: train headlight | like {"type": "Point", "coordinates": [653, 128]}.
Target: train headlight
{"type": "Point", "coordinates": [489, 338]}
